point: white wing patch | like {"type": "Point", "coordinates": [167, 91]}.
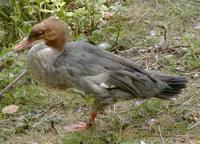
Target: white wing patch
{"type": "Point", "coordinates": [104, 85]}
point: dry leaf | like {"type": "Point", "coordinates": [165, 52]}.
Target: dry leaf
{"type": "Point", "coordinates": [10, 109]}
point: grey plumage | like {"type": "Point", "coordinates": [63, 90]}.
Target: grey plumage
{"type": "Point", "coordinates": [95, 71]}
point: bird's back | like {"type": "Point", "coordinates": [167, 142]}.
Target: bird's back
{"type": "Point", "coordinates": [82, 59]}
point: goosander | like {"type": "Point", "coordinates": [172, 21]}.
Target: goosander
{"type": "Point", "coordinates": [60, 64]}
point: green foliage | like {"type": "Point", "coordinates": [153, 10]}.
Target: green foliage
{"type": "Point", "coordinates": [147, 109]}
{"type": "Point", "coordinates": [82, 16]}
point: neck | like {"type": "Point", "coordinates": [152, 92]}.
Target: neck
{"type": "Point", "coordinates": [40, 62]}
{"type": "Point", "coordinates": [43, 52]}
{"type": "Point", "coordinates": [56, 44]}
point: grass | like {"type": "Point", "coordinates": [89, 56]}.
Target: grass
{"type": "Point", "coordinates": [42, 113]}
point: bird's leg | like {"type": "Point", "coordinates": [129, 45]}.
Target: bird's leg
{"type": "Point", "coordinates": [82, 125]}
{"type": "Point", "coordinates": [91, 118]}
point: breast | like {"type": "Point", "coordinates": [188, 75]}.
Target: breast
{"type": "Point", "coordinates": [40, 66]}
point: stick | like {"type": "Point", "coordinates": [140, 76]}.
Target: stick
{"type": "Point", "coordinates": [12, 83]}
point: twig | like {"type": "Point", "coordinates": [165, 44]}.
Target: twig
{"type": "Point", "coordinates": [183, 103]}
{"type": "Point", "coordinates": [161, 137]}
{"type": "Point", "coordinates": [196, 124]}
{"type": "Point", "coordinates": [12, 83]}
{"type": "Point", "coordinates": [190, 141]}
{"type": "Point", "coordinates": [51, 107]}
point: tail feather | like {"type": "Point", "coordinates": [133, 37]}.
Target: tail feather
{"type": "Point", "coordinates": [176, 84]}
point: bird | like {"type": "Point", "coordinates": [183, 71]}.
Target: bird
{"type": "Point", "coordinates": [56, 62]}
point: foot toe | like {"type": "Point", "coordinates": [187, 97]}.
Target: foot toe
{"type": "Point", "coordinates": [76, 127]}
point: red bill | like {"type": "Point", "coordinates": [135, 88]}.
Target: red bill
{"type": "Point", "coordinates": [22, 46]}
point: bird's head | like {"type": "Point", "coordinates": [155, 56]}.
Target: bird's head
{"type": "Point", "coordinates": [52, 31]}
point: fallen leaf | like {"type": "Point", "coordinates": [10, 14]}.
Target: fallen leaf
{"type": "Point", "coordinates": [10, 109]}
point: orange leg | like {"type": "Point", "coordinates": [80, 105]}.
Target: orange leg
{"type": "Point", "coordinates": [81, 125]}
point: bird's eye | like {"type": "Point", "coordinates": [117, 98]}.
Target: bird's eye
{"type": "Point", "coordinates": [35, 34]}
{"type": "Point", "coordinates": [41, 32]}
